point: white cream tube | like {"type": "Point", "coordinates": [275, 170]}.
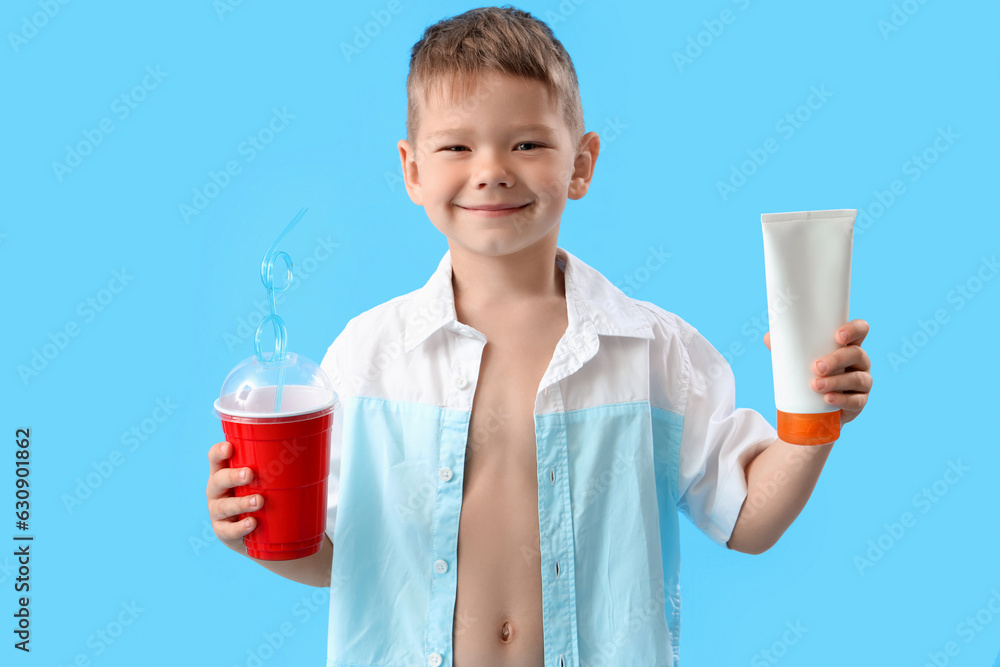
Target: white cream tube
{"type": "Point", "coordinates": [807, 266]}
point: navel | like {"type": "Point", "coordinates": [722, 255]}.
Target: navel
{"type": "Point", "coordinates": [506, 633]}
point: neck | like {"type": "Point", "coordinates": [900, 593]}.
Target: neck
{"type": "Point", "coordinates": [528, 275]}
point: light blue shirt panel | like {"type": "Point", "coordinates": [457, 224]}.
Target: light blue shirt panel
{"type": "Point", "coordinates": [405, 517]}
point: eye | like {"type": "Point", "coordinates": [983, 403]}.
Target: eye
{"type": "Point", "coordinates": [449, 148]}
{"type": "Point", "coordinates": [529, 143]}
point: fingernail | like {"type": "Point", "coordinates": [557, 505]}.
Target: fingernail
{"type": "Point", "coordinates": [842, 336]}
{"type": "Point", "coordinates": [821, 366]}
{"type": "Point", "coordinates": [243, 473]}
{"type": "Point", "coordinates": [246, 522]}
{"type": "Point", "coordinates": [820, 384]}
{"type": "Point", "coordinates": [253, 501]}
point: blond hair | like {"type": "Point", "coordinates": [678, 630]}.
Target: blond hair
{"type": "Point", "coordinates": [503, 40]}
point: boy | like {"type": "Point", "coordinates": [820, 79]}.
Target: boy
{"type": "Point", "coordinates": [517, 436]}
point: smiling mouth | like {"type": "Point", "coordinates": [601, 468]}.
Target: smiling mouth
{"type": "Point", "coordinates": [496, 211]}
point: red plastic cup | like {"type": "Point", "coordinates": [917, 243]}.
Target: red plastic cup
{"type": "Point", "coordinates": [290, 460]}
{"type": "Point", "coordinates": [278, 417]}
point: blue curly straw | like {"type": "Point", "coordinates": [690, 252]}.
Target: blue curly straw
{"type": "Point", "coordinates": [280, 333]}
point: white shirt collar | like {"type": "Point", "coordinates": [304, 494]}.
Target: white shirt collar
{"type": "Point", "coordinates": [593, 304]}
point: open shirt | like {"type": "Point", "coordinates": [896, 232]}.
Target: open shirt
{"type": "Point", "coordinates": [634, 420]}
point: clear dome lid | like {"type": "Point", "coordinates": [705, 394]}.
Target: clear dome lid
{"type": "Point", "coordinates": [294, 386]}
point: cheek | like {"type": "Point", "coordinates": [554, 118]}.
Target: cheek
{"type": "Point", "coordinates": [444, 181]}
{"type": "Point", "coordinates": [552, 188]}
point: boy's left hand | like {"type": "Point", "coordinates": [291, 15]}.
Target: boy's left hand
{"type": "Point", "coordinates": [848, 390]}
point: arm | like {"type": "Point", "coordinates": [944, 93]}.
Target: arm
{"type": "Point", "coordinates": [779, 482]}
{"type": "Point", "coordinates": [312, 570]}
{"type": "Point", "coordinates": [781, 478]}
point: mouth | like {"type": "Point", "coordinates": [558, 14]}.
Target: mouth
{"type": "Point", "coordinates": [495, 210]}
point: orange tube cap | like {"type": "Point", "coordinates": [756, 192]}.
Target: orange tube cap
{"type": "Point", "coordinates": [809, 429]}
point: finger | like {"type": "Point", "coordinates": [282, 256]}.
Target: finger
{"type": "Point", "coordinates": [217, 455]}
{"type": "Point", "coordinates": [767, 339]}
{"type": "Point", "coordinates": [227, 478]}
{"type": "Point", "coordinates": [851, 402]}
{"type": "Point", "coordinates": [223, 508]}
{"type": "Point", "coordinates": [234, 530]}
{"type": "Point", "coordinates": [848, 357]}
{"type": "Point", "coordinates": [852, 333]}
{"type": "Point", "coordinates": [855, 381]}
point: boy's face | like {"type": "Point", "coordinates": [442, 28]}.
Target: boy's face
{"type": "Point", "coordinates": [482, 151]}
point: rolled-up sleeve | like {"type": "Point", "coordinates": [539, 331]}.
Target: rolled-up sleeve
{"type": "Point", "coordinates": [718, 440]}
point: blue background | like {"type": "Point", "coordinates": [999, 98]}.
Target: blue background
{"type": "Point", "coordinates": [670, 134]}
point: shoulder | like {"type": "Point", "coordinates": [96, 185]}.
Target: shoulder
{"type": "Point", "coordinates": [383, 319]}
{"type": "Point", "coordinates": [670, 356]}
{"type": "Point", "coordinates": [666, 325]}
{"type": "Point", "coordinates": [378, 327]}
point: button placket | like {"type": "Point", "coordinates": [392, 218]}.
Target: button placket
{"type": "Point", "coordinates": [560, 544]}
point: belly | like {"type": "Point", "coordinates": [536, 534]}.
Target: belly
{"type": "Point", "coordinates": [498, 608]}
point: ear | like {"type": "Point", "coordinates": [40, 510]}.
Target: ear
{"type": "Point", "coordinates": [583, 165]}
{"type": "Point", "coordinates": [411, 176]}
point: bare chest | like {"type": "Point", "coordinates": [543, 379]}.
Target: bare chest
{"type": "Point", "coordinates": [498, 611]}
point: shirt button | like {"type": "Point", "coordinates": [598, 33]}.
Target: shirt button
{"type": "Point", "coordinates": [444, 474]}
{"type": "Point", "coordinates": [440, 566]}
{"type": "Point", "coordinates": [460, 382]}
{"type": "Point", "coordinates": [434, 659]}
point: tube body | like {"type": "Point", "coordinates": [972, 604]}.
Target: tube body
{"type": "Point", "coordinates": [807, 265]}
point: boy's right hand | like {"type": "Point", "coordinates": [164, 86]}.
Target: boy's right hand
{"type": "Point", "coordinates": [223, 505]}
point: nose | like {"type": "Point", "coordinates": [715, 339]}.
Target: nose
{"type": "Point", "coordinates": [492, 171]}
